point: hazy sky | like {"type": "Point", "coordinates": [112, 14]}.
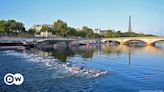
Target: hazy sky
{"type": "Point", "coordinates": [147, 15]}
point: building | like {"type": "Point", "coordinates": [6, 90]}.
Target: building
{"type": "Point", "coordinates": [99, 31]}
{"type": "Point", "coordinates": [37, 28]}
{"type": "Point", "coordinates": [42, 34]}
{"type": "Point", "coordinates": [46, 34]}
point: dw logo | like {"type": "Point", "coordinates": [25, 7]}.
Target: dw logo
{"type": "Point", "coordinates": [11, 79]}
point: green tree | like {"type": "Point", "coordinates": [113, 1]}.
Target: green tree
{"type": "Point", "coordinates": [87, 31]}
{"type": "Point", "coordinates": [2, 24]}
{"type": "Point", "coordinates": [81, 34]}
{"type": "Point", "coordinates": [11, 27]}
{"type": "Point", "coordinates": [53, 31]}
{"type": "Point", "coordinates": [71, 32]}
{"type": "Point", "coordinates": [95, 35]}
{"type": "Point", "coordinates": [129, 34]}
{"type": "Point", "coordinates": [46, 28]}
{"type": "Point", "coordinates": [61, 28]}
{"type": "Point", "coordinates": [32, 31]}
{"type": "Point", "coordinates": [119, 34]}
{"type": "Point", "coordinates": [108, 34]}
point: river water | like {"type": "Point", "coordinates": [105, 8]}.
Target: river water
{"type": "Point", "coordinates": [86, 69]}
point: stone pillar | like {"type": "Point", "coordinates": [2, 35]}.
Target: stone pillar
{"type": "Point", "coordinates": [150, 44]}
{"type": "Point", "coordinates": [122, 43]}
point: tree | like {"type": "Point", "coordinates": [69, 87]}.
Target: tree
{"type": "Point", "coordinates": [45, 28]}
{"type": "Point", "coordinates": [81, 34]}
{"type": "Point", "coordinates": [95, 35]}
{"type": "Point", "coordinates": [71, 32]}
{"type": "Point", "coordinates": [20, 27]}
{"type": "Point", "coordinates": [61, 28]}
{"type": "Point", "coordinates": [53, 31]}
{"type": "Point", "coordinates": [11, 27]}
{"type": "Point", "coordinates": [2, 23]}
{"type": "Point", "coordinates": [119, 34]}
{"type": "Point", "coordinates": [109, 34]}
{"type": "Point", "coordinates": [32, 31]}
{"type": "Point", "coordinates": [129, 34]}
{"type": "Point", "coordinates": [87, 31]}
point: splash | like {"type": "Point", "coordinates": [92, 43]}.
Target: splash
{"type": "Point", "coordinates": [67, 69]}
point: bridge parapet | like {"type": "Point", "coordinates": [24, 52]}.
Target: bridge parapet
{"type": "Point", "coordinates": [54, 39]}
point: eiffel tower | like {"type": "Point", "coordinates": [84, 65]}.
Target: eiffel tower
{"type": "Point", "coordinates": [130, 29]}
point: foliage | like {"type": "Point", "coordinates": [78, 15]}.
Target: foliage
{"type": "Point", "coordinates": [11, 27]}
{"type": "Point", "coordinates": [71, 32]}
{"type": "Point", "coordinates": [87, 31]}
{"type": "Point", "coordinates": [32, 31]}
{"type": "Point", "coordinates": [81, 34]}
{"type": "Point", "coordinates": [112, 34]}
{"type": "Point", "coordinates": [60, 28]}
{"type": "Point", "coordinates": [45, 28]}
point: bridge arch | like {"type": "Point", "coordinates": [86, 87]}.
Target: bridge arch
{"type": "Point", "coordinates": [112, 41]}
{"type": "Point", "coordinates": [133, 40]}
{"type": "Point", "coordinates": [153, 43]}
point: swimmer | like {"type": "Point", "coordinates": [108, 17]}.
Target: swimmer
{"type": "Point", "coordinates": [104, 72]}
{"type": "Point", "coordinates": [49, 63]}
{"type": "Point", "coordinates": [74, 69]}
{"type": "Point", "coordinates": [98, 73]}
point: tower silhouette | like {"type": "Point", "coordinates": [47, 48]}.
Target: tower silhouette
{"type": "Point", "coordinates": [130, 28]}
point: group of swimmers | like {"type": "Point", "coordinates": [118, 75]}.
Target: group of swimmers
{"type": "Point", "coordinates": [71, 69]}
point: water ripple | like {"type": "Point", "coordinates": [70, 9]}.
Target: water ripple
{"type": "Point", "coordinates": [64, 69]}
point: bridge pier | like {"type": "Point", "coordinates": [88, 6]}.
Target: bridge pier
{"type": "Point", "coordinates": [122, 43]}
{"type": "Point", "coordinates": [150, 44]}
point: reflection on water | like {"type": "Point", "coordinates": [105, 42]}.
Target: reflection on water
{"type": "Point", "coordinates": [64, 54]}
{"type": "Point", "coordinates": [88, 52]}
{"type": "Point", "coordinates": [125, 68]}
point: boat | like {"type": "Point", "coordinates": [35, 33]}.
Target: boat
{"type": "Point", "coordinates": [9, 44]}
{"type": "Point", "coordinates": [11, 48]}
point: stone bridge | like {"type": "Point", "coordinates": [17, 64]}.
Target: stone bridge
{"type": "Point", "coordinates": [49, 42]}
{"type": "Point", "coordinates": [126, 40]}
{"type": "Point", "coordinates": [39, 40]}
{"type": "Point", "coordinates": [68, 41]}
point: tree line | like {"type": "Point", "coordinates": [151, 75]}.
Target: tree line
{"type": "Point", "coordinates": [60, 28]}
{"type": "Point", "coordinates": [112, 34]}
{"type": "Point", "coordinates": [11, 27]}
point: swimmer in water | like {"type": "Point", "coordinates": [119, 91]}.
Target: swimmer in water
{"type": "Point", "coordinates": [75, 69]}
{"type": "Point", "coordinates": [49, 63]}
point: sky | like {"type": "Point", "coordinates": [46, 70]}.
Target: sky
{"type": "Point", "coordinates": [147, 15]}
